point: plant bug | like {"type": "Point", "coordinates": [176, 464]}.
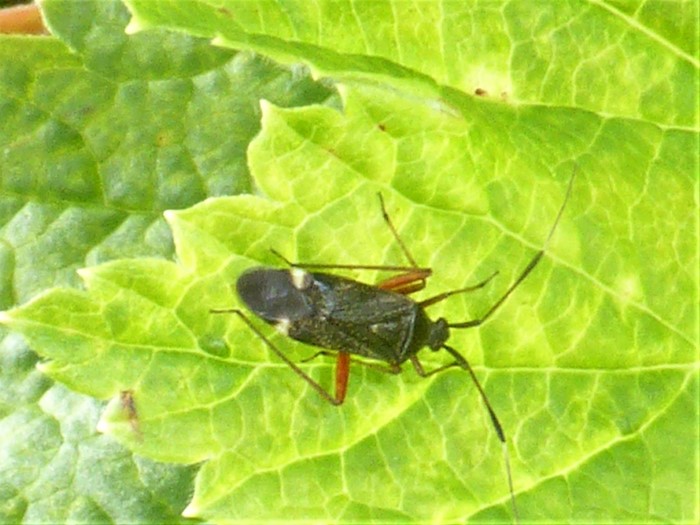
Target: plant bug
{"type": "Point", "coordinates": [376, 322]}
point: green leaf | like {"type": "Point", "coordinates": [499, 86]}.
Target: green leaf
{"type": "Point", "coordinates": [556, 55]}
{"type": "Point", "coordinates": [591, 365]}
{"type": "Point", "coordinates": [56, 468]}
{"type": "Point", "coordinates": [100, 133]}
{"type": "Point", "coordinates": [402, 448]}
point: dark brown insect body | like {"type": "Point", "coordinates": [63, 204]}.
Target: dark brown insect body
{"type": "Point", "coordinates": [341, 314]}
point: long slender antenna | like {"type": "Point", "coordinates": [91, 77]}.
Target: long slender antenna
{"type": "Point", "coordinates": [506, 462]}
{"type": "Point", "coordinates": [531, 265]}
{"type": "Point", "coordinates": [462, 362]}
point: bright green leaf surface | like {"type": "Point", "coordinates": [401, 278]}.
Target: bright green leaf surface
{"type": "Point", "coordinates": [95, 144]}
{"type": "Point", "coordinates": [591, 364]}
{"type": "Point", "coordinates": [558, 53]}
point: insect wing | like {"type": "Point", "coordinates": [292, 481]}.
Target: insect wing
{"type": "Point", "coordinates": [357, 318]}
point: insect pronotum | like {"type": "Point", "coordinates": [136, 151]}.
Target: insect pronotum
{"type": "Point", "coordinates": [377, 322]}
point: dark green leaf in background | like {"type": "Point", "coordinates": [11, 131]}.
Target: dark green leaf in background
{"type": "Point", "coordinates": [591, 365]}
{"type": "Point", "coordinates": [100, 132]}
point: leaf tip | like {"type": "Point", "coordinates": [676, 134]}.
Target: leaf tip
{"type": "Point", "coordinates": [5, 317]}
{"type": "Point", "coordinates": [102, 426]}
{"type": "Point", "coordinates": [171, 218]}
{"type": "Point", "coordinates": [44, 367]}
{"type": "Point", "coordinates": [85, 274]}
{"type": "Point", "coordinates": [191, 511]}
{"type": "Point", "coordinates": [134, 26]}
{"type": "Point", "coordinates": [266, 106]}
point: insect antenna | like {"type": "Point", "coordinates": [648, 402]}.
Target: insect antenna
{"type": "Point", "coordinates": [531, 266]}
{"type": "Point", "coordinates": [462, 362]}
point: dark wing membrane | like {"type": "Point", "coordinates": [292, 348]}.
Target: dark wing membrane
{"type": "Point", "coordinates": [381, 340]}
{"type": "Point", "coordinates": [357, 318]}
{"type": "Point", "coordinates": [354, 301]}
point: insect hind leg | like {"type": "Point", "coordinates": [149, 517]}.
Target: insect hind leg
{"type": "Point", "coordinates": [411, 279]}
{"type": "Point", "coordinates": [315, 266]}
{"type": "Point", "coordinates": [395, 233]}
{"type": "Point", "coordinates": [406, 283]}
{"type": "Point", "coordinates": [342, 370]}
{"type": "Point", "coordinates": [333, 400]}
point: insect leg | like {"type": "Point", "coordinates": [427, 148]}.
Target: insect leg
{"type": "Point", "coordinates": [395, 233]}
{"type": "Point", "coordinates": [463, 363]}
{"type": "Point", "coordinates": [342, 370]}
{"type": "Point", "coordinates": [389, 369]}
{"type": "Point", "coordinates": [298, 371]}
{"type": "Point", "coordinates": [326, 353]}
{"type": "Point", "coordinates": [342, 374]}
{"type": "Point", "coordinates": [421, 371]}
{"type": "Point", "coordinates": [314, 266]}
{"type": "Point", "coordinates": [530, 266]}
{"type": "Point", "coordinates": [406, 283]}
{"type": "Point", "coordinates": [411, 280]}
{"type": "Point", "coordinates": [445, 295]}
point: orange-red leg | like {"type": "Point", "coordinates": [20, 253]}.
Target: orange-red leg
{"type": "Point", "coordinates": [342, 375]}
{"type": "Point", "coordinates": [406, 283]}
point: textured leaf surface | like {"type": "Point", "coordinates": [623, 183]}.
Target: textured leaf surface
{"type": "Point", "coordinates": [591, 365]}
{"type": "Point", "coordinates": [560, 54]}
{"type": "Point", "coordinates": [100, 133]}
{"type": "Point", "coordinates": [588, 373]}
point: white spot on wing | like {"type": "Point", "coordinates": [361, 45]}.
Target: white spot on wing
{"type": "Point", "coordinates": [282, 326]}
{"type": "Point", "coordinates": [300, 278]}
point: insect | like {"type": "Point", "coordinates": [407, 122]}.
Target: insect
{"type": "Point", "coordinates": [380, 323]}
